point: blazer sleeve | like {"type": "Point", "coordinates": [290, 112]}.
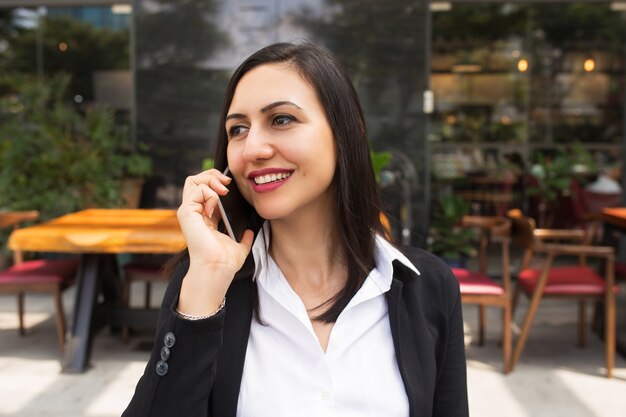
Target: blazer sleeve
{"type": "Point", "coordinates": [179, 376]}
{"type": "Point", "coordinates": [450, 398]}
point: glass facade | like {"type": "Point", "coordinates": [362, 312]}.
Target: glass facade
{"type": "Point", "coordinates": [91, 44]}
{"type": "Point", "coordinates": [99, 17]}
{"type": "Point", "coordinates": [187, 51]}
{"type": "Point", "coordinates": [471, 95]}
{"type": "Point", "coordinates": [517, 84]}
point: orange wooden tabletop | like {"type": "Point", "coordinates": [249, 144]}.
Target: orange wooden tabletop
{"type": "Point", "coordinates": [104, 231]}
{"type": "Point", "coordinates": [615, 216]}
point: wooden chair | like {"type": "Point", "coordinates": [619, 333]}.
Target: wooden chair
{"type": "Point", "coordinates": [478, 288]}
{"type": "Point", "coordinates": [41, 276]}
{"type": "Point", "coordinates": [147, 270]}
{"type": "Point", "coordinates": [577, 281]}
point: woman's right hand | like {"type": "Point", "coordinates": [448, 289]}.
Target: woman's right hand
{"type": "Point", "coordinates": [214, 257]}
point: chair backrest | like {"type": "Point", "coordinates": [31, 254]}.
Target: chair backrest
{"type": "Point", "coordinates": [13, 219]}
{"type": "Point", "coordinates": [492, 229]}
{"type": "Point", "coordinates": [525, 234]}
{"type": "Point", "coordinates": [522, 233]}
{"type": "Point", "coordinates": [588, 205]}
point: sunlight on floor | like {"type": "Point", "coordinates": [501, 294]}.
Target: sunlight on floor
{"type": "Point", "coordinates": [608, 394]}
{"type": "Point", "coordinates": [17, 375]}
{"type": "Point", "coordinates": [9, 320]}
{"type": "Point", "coordinates": [108, 401]}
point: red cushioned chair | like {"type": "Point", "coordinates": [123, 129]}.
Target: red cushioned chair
{"type": "Point", "coordinates": [578, 282]}
{"type": "Point", "coordinates": [478, 288]}
{"type": "Point", "coordinates": [41, 275]}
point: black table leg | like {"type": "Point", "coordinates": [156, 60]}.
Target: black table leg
{"type": "Point", "coordinates": [78, 347]}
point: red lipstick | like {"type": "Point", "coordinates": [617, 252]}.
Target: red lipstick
{"type": "Point", "coordinates": [271, 185]}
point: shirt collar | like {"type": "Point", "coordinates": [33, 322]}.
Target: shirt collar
{"type": "Point", "coordinates": [384, 255]}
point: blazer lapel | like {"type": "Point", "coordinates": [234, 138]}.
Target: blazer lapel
{"type": "Point", "coordinates": [404, 329]}
{"type": "Point", "coordinates": [230, 361]}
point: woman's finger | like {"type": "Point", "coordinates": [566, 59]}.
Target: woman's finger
{"type": "Point", "coordinates": [202, 200]}
{"type": "Point", "coordinates": [212, 182]}
{"type": "Point", "coordinates": [206, 177]}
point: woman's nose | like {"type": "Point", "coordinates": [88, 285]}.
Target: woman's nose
{"type": "Point", "coordinates": [257, 145]}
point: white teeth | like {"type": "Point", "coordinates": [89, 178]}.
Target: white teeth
{"type": "Point", "coordinates": [264, 179]}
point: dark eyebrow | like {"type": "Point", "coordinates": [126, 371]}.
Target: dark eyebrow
{"type": "Point", "coordinates": [277, 104]}
{"type": "Point", "coordinates": [235, 116]}
{"type": "Point", "coordinates": [264, 109]}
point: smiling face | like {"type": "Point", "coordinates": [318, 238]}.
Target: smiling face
{"type": "Point", "coordinates": [281, 148]}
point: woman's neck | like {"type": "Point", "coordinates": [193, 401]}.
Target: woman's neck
{"type": "Point", "coordinates": [309, 252]}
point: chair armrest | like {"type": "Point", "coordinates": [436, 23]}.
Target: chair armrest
{"type": "Point", "coordinates": [577, 250]}
{"type": "Point", "coordinates": [547, 234]}
{"type": "Point", "coordinates": [495, 225]}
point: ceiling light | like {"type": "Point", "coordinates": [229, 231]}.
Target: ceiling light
{"type": "Point", "coordinates": [522, 65]}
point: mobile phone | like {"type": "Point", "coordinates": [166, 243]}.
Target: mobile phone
{"type": "Point", "coordinates": [225, 219]}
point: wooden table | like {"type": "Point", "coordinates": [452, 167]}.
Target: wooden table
{"type": "Point", "coordinates": [615, 216]}
{"type": "Point", "coordinates": [614, 219]}
{"type": "Point", "coordinates": [97, 235]}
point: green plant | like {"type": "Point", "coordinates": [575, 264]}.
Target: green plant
{"type": "Point", "coordinates": [55, 158]}
{"type": "Point", "coordinates": [554, 175]}
{"type": "Point", "coordinates": [379, 161]}
{"type": "Point", "coordinates": [207, 163]}
{"type": "Point", "coordinates": [447, 237]}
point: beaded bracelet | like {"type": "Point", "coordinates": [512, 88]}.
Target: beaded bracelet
{"type": "Point", "coordinates": [194, 318]}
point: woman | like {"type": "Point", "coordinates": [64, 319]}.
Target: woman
{"type": "Point", "coordinates": [318, 314]}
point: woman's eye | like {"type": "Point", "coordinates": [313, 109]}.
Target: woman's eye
{"type": "Point", "coordinates": [236, 131]}
{"type": "Point", "coordinates": [282, 119]}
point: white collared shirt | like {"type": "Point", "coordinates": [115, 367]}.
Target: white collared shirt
{"type": "Point", "coordinates": [286, 372]}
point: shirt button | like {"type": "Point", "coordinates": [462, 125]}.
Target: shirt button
{"type": "Point", "coordinates": [162, 368]}
{"type": "Point", "coordinates": [165, 353]}
{"type": "Point", "coordinates": [169, 340]}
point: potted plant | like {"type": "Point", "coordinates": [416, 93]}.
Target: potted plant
{"type": "Point", "coordinates": [57, 158]}
{"type": "Point", "coordinates": [447, 237]}
{"type": "Point", "coordinates": [552, 178]}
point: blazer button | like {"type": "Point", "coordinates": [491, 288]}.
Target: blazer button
{"type": "Point", "coordinates": [165, 353]}
{"type": "Point", "coordinates": [162, 368]}
{"type": "Point", "coordinates": [169, 340]}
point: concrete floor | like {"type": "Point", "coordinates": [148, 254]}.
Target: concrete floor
{"type": "Point", "coordinates": [554, 377]}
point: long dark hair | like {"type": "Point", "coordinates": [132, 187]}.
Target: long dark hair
{"type": "Point", "coordinates": [357, 201]}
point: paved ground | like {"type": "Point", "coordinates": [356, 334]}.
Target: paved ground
{"type": "Point", "coordinates": [554, 377]}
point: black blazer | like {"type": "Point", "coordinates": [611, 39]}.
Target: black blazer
{"type": "Point", "coordinates": [195, 368]}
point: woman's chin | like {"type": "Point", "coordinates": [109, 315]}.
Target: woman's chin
{"type": "Point", "coordinates": [276, 209]}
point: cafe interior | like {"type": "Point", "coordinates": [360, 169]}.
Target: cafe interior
{"type": "Point", "coordinates": [498, 132]}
